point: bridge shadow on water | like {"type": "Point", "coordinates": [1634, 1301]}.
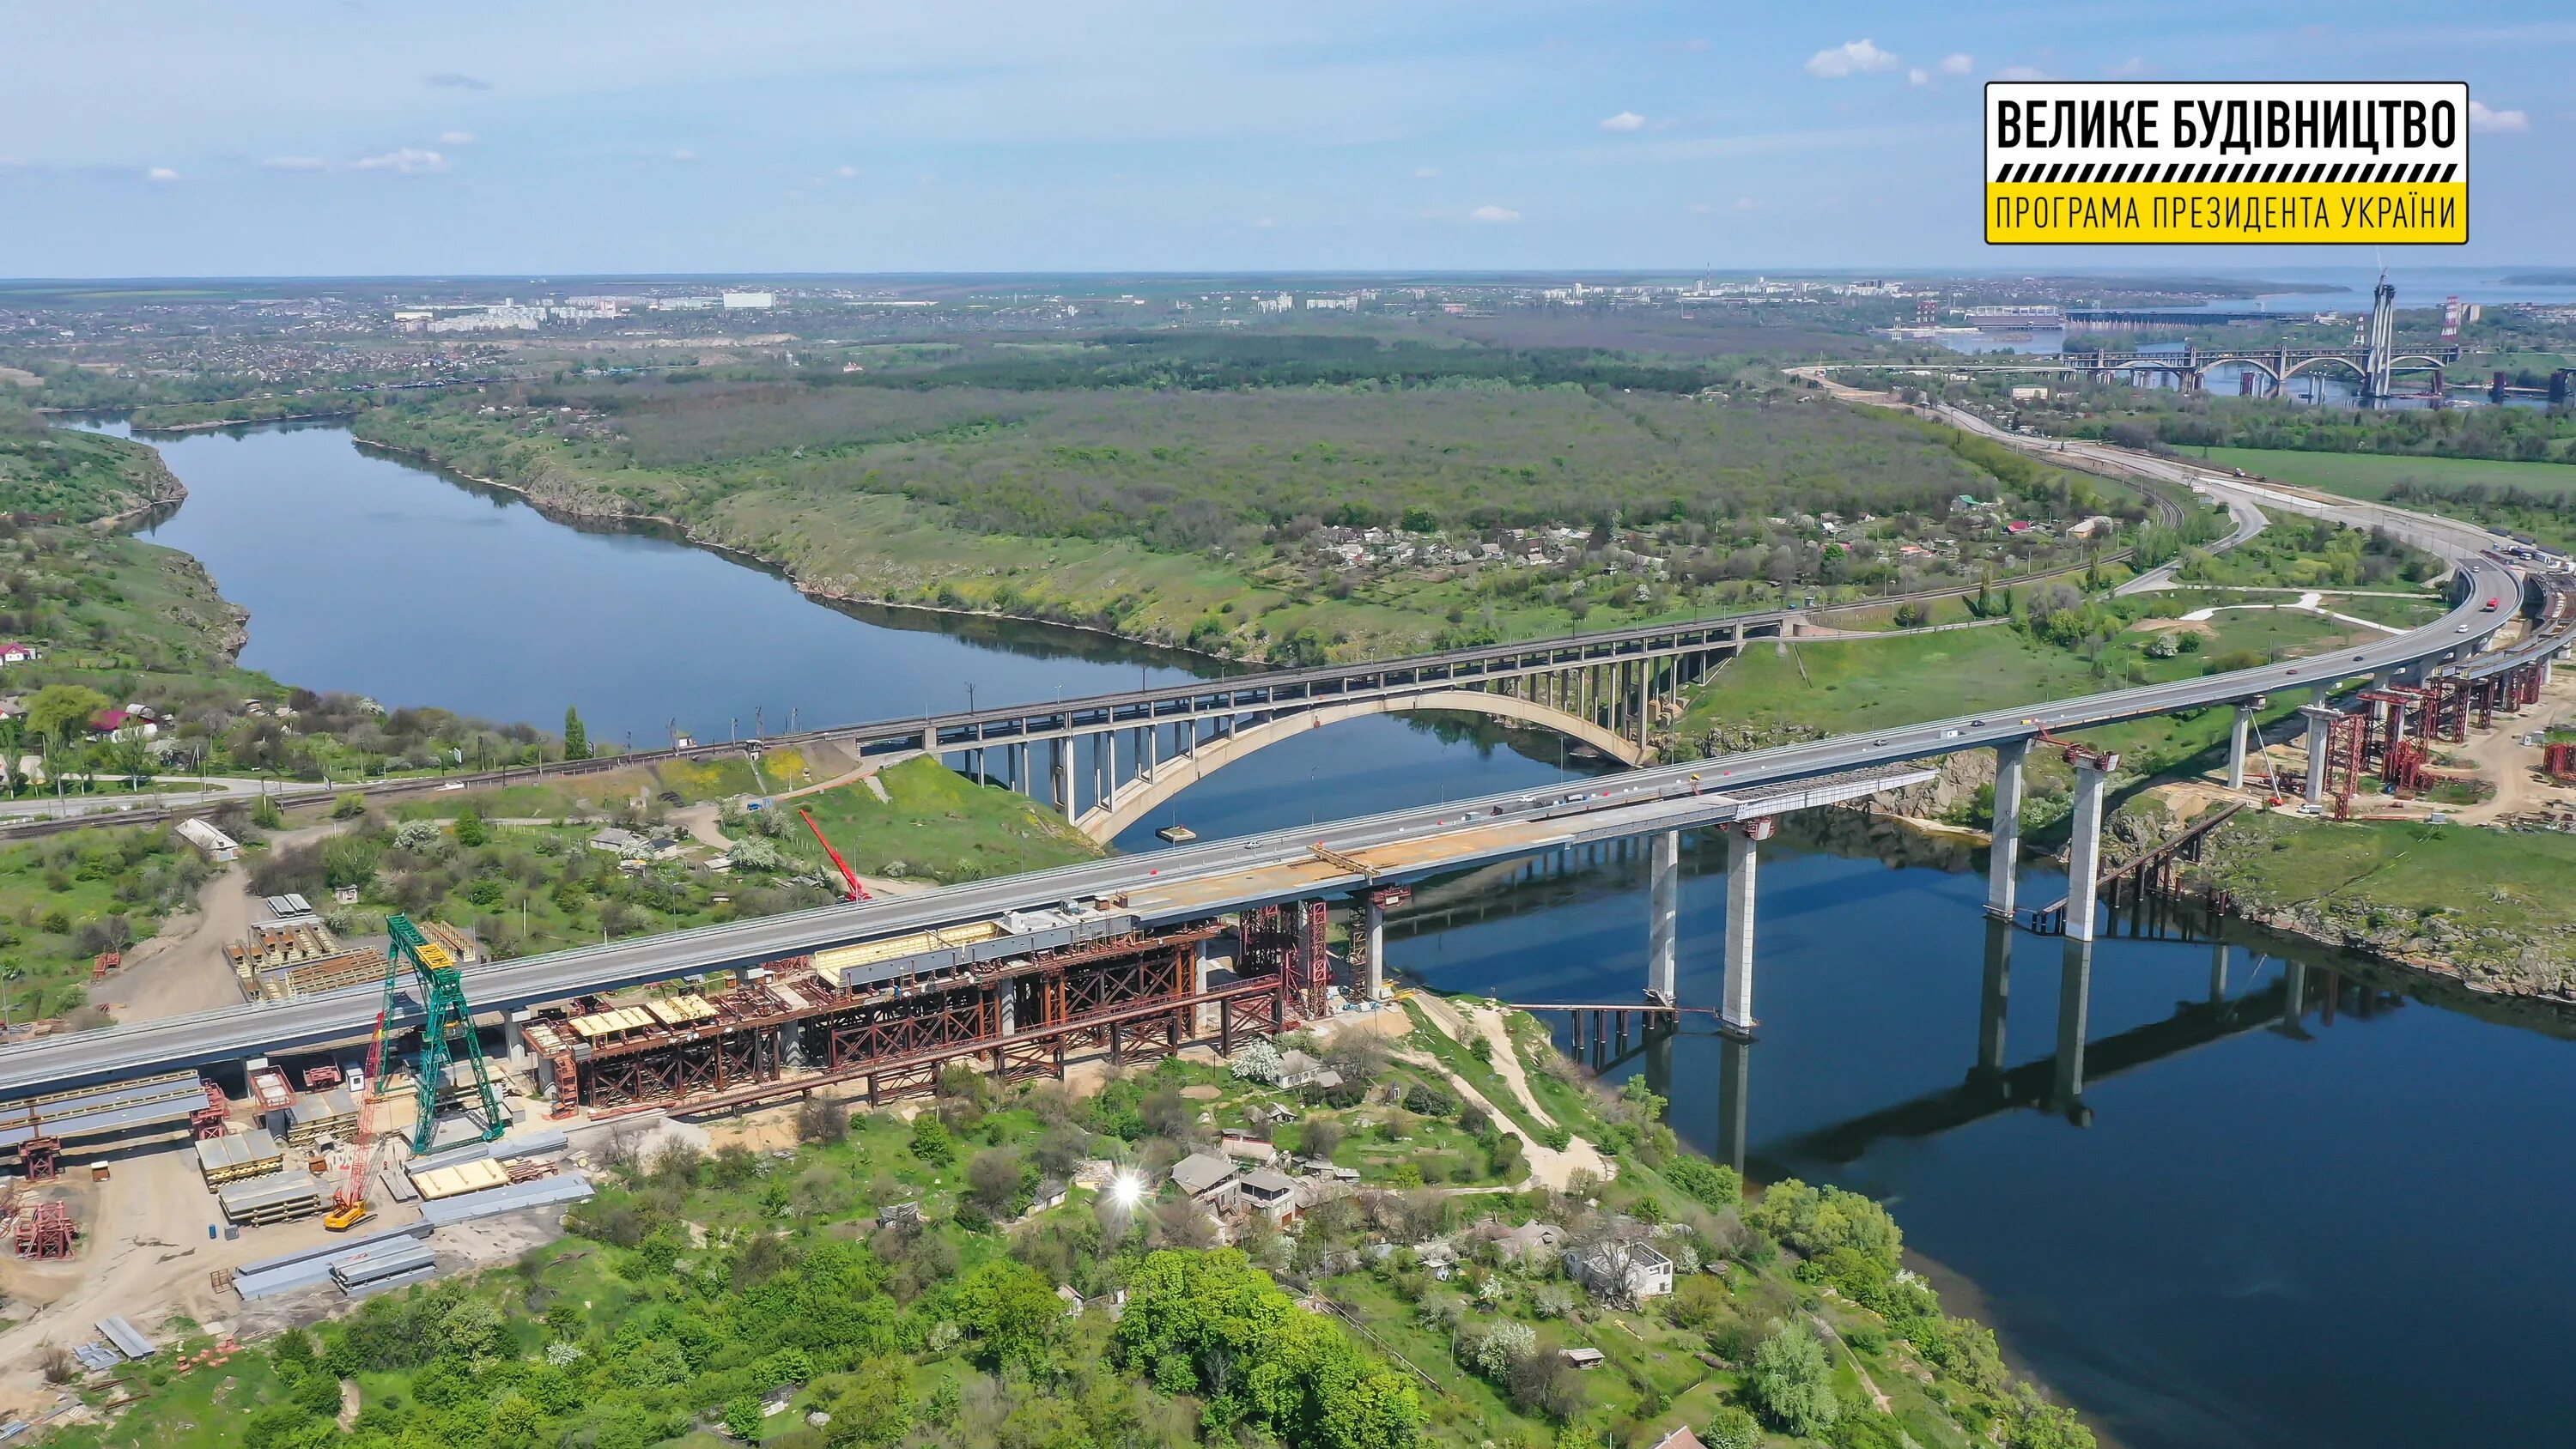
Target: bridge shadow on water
{"type": "Point", "coordinates": [2177, 1163]}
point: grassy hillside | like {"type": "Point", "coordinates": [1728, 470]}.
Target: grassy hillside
{"type": "Point", "coordinates": [1179, 489]}
{"type": "Point", "coordinates": [57, 475]}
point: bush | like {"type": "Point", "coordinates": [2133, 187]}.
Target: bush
{"type": "Point", "coordinates": [1731, 1428]}
{"type": "Point", "coordinates": [1792, 1383]}
{"type": "Point", "coordinates": [1711, 1184]}
{"type": "Point", "coordinates": [931, 1142]}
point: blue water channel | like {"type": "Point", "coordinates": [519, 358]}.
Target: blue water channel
{"type": "Point", "coordinates": [2339, 1228]}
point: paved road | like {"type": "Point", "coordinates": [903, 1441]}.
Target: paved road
{"type": "Point", "coordinates": [1662, 797]}
{"type": "Point", "coordinates": [1227, 874]}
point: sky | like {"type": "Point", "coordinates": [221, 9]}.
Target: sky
{"type": "Point", "coordinates": [291, 139]}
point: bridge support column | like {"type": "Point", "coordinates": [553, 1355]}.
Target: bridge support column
{"type": "Point", "coordinates": [2003, 859]}
{"type": "Point", "coordinates": [1645, 703]}
{"type": "Point", "coordinates": [1060, 771]}
{"type": "Point", "coordinates": [512, 1039]}
{"type": "Point", "coordinates": [2236, 743]}
{"type": "Point", "coordinates": [1663, 892]}
{"type": "Point", "coordinates": [2217, 972]}
{"type": "Point", "coordinates": [1373, 941]}
{"type": "Point", "coordinates": [1743, 857]}
{"type": "Point", "coordinates": [2084, 850]}
{"type": "Point", "coordinates": [2318, 717]}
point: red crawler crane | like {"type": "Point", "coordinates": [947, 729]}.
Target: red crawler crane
{"type": "Point", "coordinates": [856, 892]}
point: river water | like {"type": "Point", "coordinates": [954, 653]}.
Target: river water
{"type": "Point", "coordinates": [2242, 1227]}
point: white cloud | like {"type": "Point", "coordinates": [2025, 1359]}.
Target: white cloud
{"type": "Point", "coordinates": [684, 153]}
{"type": "Point", "coordinates": [456, 138]}
{"type": "Point", "coordinates": [453, 80]}
{"type": "Point", "coordinates": [1426, 173]}
{"type": "Point", "coordinates": [2134, 65]}
{"type": "Point", "coordinates": [1492, 213]}
{"type": "Point", "coordinates": [2483, 119]}
{"type": "Point", "coordinates": [847, 173]}
{"type": "Point", "coordinates": [1624, 121]}
{"type": "Point", "coordinates": [1265, 222]}
{"type": "Point", "coordinates": [296, 163]}
{"type": "Point", "coordinates": [1918, 77]}
{"type": "Point", "coordinates": [404, 161]}
{"type": "Point", "coordinates": [1747, 203]}
{"type": "Point", "coordinates": [160, 174]}
{"type": "Point", "coordinates": [1852, 57]}
{"type": "Point", "coordinates": [2021, 73]}
{"type": "Point", "coordinates": [1958, 63]}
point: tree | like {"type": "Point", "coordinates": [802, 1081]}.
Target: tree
{"type": "Point", "coordinates": [470, 830]}
{"type": "Point", "coordinates": [1731, 1428]}
{"type": "Point", "coordinates": [62, 712]}
{"type": "Point", "coordinates": [742, 1417]}
{"type": "Point", "coordinates": [13, 748]}
{"type": "Point", "coordinates": [576, 738]}
{"type": "Point", "coordinates": [1013, 1313]}
{"type": "Point", "coordinates": [993, 1178]}
{"type": "Point", "coordinates": [1257, 1061]}
{"type": "Point", "coordinates": [2035, 1423]}
{"type": "Point", "coordinates": [1792, 1383]}
{"type": "Point", "coordinates": [931, 1142]}
{"type": "Point", "coordinates": [1323, 1136]}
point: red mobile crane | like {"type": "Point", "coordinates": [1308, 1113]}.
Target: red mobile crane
{"type": "Point", "coordinates": [856, 892]}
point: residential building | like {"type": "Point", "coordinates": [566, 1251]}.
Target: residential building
{"type": "Point", "coordinates": [1297, 1069]}
{"type": "Point", "coordinates": [1202, 1174]}
{"type": "Point", "coordinates": [17, 654]}
{"type": "Point", "coordinates": [1269, 1192]}
{"type": "Point", "coordinates": [1623, 1270]}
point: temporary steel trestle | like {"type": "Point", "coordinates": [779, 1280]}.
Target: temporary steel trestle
{"type": "Point", "coordinates": [790, 1028]}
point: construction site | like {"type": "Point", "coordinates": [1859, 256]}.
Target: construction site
{"type": "Point", "coordinates": [352, 1160]}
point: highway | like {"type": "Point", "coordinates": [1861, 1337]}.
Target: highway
{"type": "Point", "coordinates": [1228, 875]}
{"type": "Point", "coordinates": [1195, 881]}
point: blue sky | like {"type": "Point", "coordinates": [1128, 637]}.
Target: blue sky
{"type": "Point", "coordinates": [376, 138]}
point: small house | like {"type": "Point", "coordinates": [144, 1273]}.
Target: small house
{"type": "Point", "coordinates": [1050, 1194]}
{"type": "Point", "coordinates": [625, 844]}
{"type": "Point", "coordinates": [1623, 1270]}
{"type": "Point", "coordinates": [1269, 1192]}
{"type": "Point", "coordinates": [1202, 1174]}
{"type": "Point", "coordinates": [1248, 1149]}
{"type": "Point", "coordinates": [1298, 1069]}
{"type": "Point", "coordinates": [1681, 1438]}
{"type": "Point", "coordinates": [1586, 1359]}
{"type": "Point", "coordinates": [1531, 1238]}
{"type": "Point", "coordinates": [15, 653]}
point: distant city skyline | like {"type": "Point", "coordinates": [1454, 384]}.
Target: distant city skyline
{"type": "Point", "coordinates": [586, 139]}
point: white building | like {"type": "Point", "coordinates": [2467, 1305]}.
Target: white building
{"type": "Point", "coordinates": [217, 846]}
{"type": "Point", "coordinates": [749, 301]}
{"type": "Point", "coordinates": [1624, 1270]}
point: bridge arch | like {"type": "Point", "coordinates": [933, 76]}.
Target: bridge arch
{"type": "Point", "coordinates": [2347, 364]}
{"type": "Point", "coordinates": [2419, 359]}
{"type": "Point", "coordinates": [1138, 799]}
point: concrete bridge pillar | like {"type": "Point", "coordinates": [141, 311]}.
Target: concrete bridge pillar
{"type": "Point", "coordinates": [1373, 942]}
{"type": "Point", "coordinates": [2084, 850]}
{"type": "Point", "coordinates": [2074, 1008]}
{"type": "Point", "coordinates": [2318, 717]}
{"type": "Point", "coordinates": [2294, 994]}
{"type": "Point", "coordinates": [1663, 892]}
{"type": "Point", "coordinates": [2217, 972]}
{"type": "Point", "coordinates": [513, 1039]}
{"type": "Point", "coordinates": [2004, 858]}
{"type": "Point", "coordinates": [2236, 742]}
{"type": "Point", "coordinates": [1743, 857]}
{"type": "Point", "coordinates": [1060, 771]}
{"type": "Point", "coordinates": [930, 741]}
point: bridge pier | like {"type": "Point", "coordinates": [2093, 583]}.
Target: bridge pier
{"type": "Point", "coordinates": [2003, 859]}
{"type": "Point", "coordinates": [1060, 775]}
{"type": "Point", "coordinates": [2236, 742]}
{"type": "Point", "coordinates": [1373, 942]}
{"type": "Point", "coordinates": [1663, 890]}
{"type": "Point", "coordinates": [2217, 972]}
{"type": "Point", "coordinates": [2319, 717]}
{"type": "Point", "coordinates": [1743, 859]}
{"type": "Point", "coordinates": [2084, 849]}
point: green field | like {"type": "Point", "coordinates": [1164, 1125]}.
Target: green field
{"type": "Point", "coordinates": [2372, 475]}
{"type": "Point", "coordinates": [2493, 904]}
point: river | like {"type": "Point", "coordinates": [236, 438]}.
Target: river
{"type": "Point", "coordinates": [2341, 1229]}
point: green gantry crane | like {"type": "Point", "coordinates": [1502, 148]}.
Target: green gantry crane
{"type": "Point", "coordinates": [446, 1032]}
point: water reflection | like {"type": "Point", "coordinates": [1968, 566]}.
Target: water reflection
{"type": "Point", "coordinates": [2172, 1167]}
